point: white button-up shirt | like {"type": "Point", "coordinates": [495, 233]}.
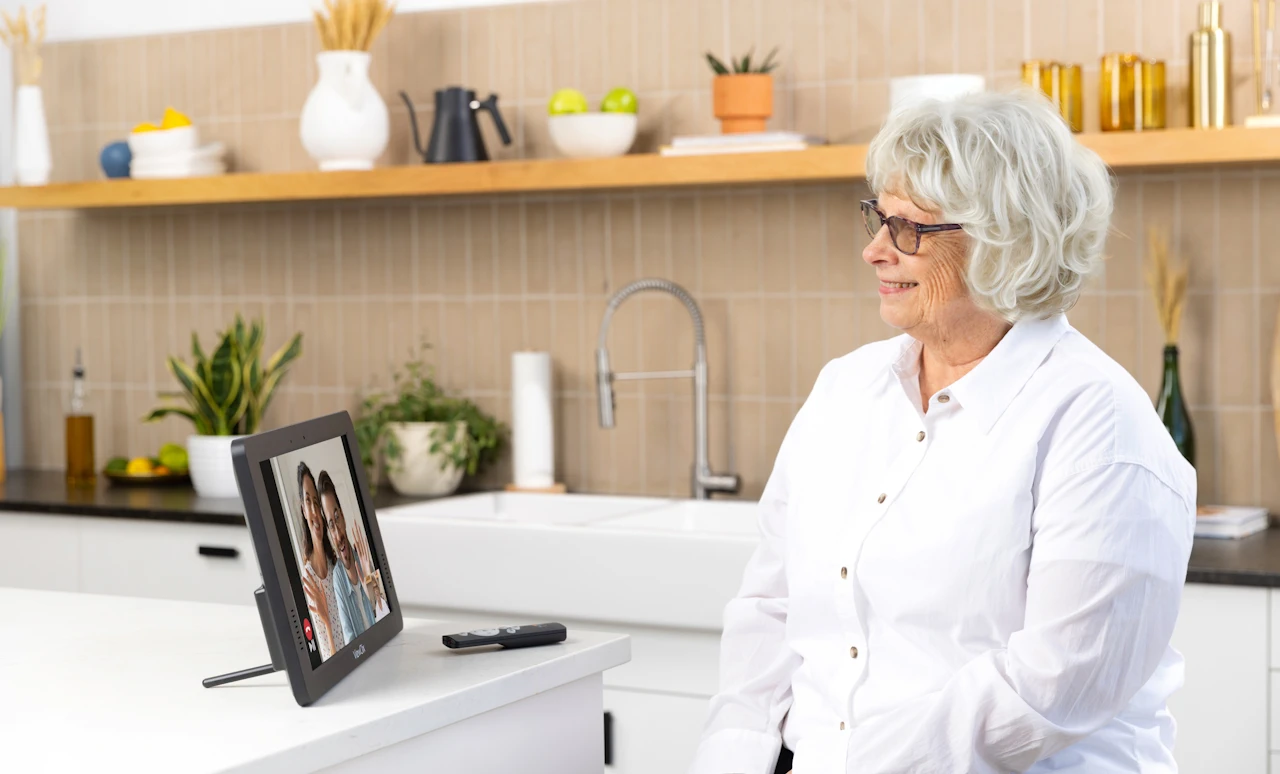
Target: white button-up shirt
{"type": "Point", "coordinates": [987, 587]}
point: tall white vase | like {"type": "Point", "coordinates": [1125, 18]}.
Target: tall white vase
{"type": "Point", "coordinates": [209, 460]}
{"type": "Point", "coordinates": [344, 121]}
{"type": "Point", "coordinates": [31, 159]}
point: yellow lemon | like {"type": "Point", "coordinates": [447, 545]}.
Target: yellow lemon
{"type": "Point", "coordinates": [138, 465]}
{"type": "Point", "coordinates": [174, 119]}
{"type": "Point", "coordinates": [145, 127]}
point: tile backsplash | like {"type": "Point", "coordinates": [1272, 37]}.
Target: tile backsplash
{"type": "Point", "coordinates": [776, 270]}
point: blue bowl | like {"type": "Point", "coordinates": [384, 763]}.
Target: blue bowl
{"type": "Point", "coordinates": [115, 159]}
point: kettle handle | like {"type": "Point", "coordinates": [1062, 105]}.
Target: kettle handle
{"type": "Point", "coordinates": [491, 105]}
{"type": "Point", "coordinates": [413, 121]}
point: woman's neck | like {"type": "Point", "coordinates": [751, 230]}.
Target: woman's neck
{"type": "Point", "coordinates": [948, 353]}
{"type": "Point", "coordinates": [319, 562]}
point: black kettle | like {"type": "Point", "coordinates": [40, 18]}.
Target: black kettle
{"type": "Point", "coordinates": [456, 133]}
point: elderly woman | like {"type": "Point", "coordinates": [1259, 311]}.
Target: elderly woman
{"type": "Point", "coordinates": [975, 536]}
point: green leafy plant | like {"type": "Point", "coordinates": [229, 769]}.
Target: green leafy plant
{"type": "Point", "coordinates": [415, 397]}
{"type": "Point", "coordinates": [743, 65]}
{"type": "Point", "coordinates": [228, 391]}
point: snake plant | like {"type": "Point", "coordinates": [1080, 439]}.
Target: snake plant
{"type": "Point", "coordinates": [743, 65]}
{"type": "Point", "coordinates": [228, 391]}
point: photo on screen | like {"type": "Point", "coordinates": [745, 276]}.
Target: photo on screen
{"type": "Point", "coordinates": [341, 580]}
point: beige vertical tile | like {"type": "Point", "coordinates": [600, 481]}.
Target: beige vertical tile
{"type": "Point", "coordinates": [298, 48]}
{"type": "Point", "coordinates": [872, 106]}
{"type": "Point", "coordinates": [810, 240]}
{"type": "Point", "coordinates": [563, 258]}
{"type": "Point", "coordinates": [716, 254]}
{"type": "Point", "coordinates": [599, 451]}
{"type": "Point", "coordinates": [745, 241]}
{"type": "Point", "coordinates": [872, 21]}
{"type": "Point", "coordinates": [619, 41]}
{"type": "Point", "coordinates": [483, 257]}
{"type": "Point", "coordinates": [1268, 311]}
{"type": "Point", "coordinates": [808, 29]}
{"type": "Point", "coordinates": [379, 357]}
{"type": "Point", "coordinates": [228, 78]}
{"type": "Point", "coordinates": [778, 333]}
{"type": "Point", "coordinates": [1237, 248]}
{"type": "Point", "coordinates": [401, 258]}
{"type": "Point", "coordinates": [841, 112]}
{"type": "Point", "coordinates": [903, 39]}
{"type": "Point", "coordinates": [482, 316]}
{"type": "Point", "coordinates": [652, 57]}
{"type": "Point", "coordinates": [685, 262]}
{"type": "Point", "coordinates": [156, 62]}
{"type": "Point", "coordinates": [747, 442]}
{"type": "Point", "coordinates": [1126, 241]}
{"type": "Point", "coordinates": [1086, 317]}
{"type": "Point", "coordinates": [512, 336]}
{"type": "Point", "coordinates": [1008, 33]}
{"type": "Point", "coordinates": [504, 52]}
{"type": "Point", "coordinates": [566, 345]}
{"type": "Point", "coordinates": [353, 360]}
{"type": "Point", "coordinates": [844, 263]}
{"type": "Point", "coordinates": [809, 106]}
{"type": "Point", "coordinates": [1237, 443]}
{"type": "Point", "coordinates": [839, 52]}
{"type": "Point", "coordinates": [477, 64]}
{"type": "Point", "coordinates": [776, 258]}
{"type": "Point", "coordinates": [508, 248]}
{"type": "Point", "coordinates": [777, 420]}
{"type": "Point", "coordinates": [844, 325]}
{"type": "Point", "coordinates": [378, 261]}
{"type": "Point", "coordinates": [455, 271]}
{"type": "Point", "coordinates": [1236, 348]}
{"type": "Point", "coordinates": [1269, 463]}
{"type": "Point", "coordinates": [594, 247]}
{"type": "Point", "coordinates": [1047, 24]}
{"type": "Point", "coordinates": [110, 107]}
{"type": "Point", "coordinates": [654, 254]}
{"type": "Point", "coordinates": [202, 65]}
{"type": "Point", "coordinates": [684, 62]}
{"type": "Point", "coordinates": [1082, 41]}
{"type": "Point", "coordinates": [1163, 33]}
{"type": "Point", "coordinates": [660, 478]}
{"type": "Point", "coordinates": [940, 46]}
{"type": "Point", "coordinates": [717, 323]}
{"type": "Point", "coordinates": [1269, 232]}
{"type": "Point", "coordinates": [353, 250]}
{"type": "Point", "coordinates": [591, 46]}
{"type": "Point", "coordinates": [972, 38]}
{"type": "Point", "coordinates": [1120, 25]}
{"type": "Point", "coordinates": [1124, 331]}
{"type": "Point", "coordinates": [272, 59]}
{"type": "Point", "coordinates": [713, 29]}
{"type": "Point", "coordinates": [427, 244]}
{"type": "Point", "coordinates": [809, 344]}
{"type": "Point", "coordinates": [83, 89]}
{"type": "Point", "coordinates": [623, 264]}
{"type": "Point", "coordinates": [1197, 344]}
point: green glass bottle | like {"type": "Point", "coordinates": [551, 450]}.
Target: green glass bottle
{"type": "Point", "coordinates": [1172, 408]}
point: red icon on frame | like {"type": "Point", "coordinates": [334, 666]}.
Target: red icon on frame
{"type": "Point", "coordinates": [306, 627]}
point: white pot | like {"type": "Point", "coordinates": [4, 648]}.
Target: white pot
{"type": "Point", "coordinates": [344, 121]}
{"type": "Point", "coordinates": [31, 160]}
{"type": "Point", "coordinates": [418, 471]}
{"type": "Point", "coordinates": [209, 457]}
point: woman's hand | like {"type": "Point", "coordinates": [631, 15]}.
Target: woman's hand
{"type": "Point", "coordinates": [317, 603]}
{"type": "Point", "coordinates": [363, 555]}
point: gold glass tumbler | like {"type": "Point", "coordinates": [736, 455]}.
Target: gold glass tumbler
{"type": "Point", "coordinates": [1062, 84]}
{"type": "Point", "coordinates": [1116, 95]}
{"type": "Point", "coordinates": [1153, 96]}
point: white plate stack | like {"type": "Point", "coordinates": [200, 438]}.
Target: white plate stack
{"type": "Point", "coordinates": [176, 152]}
{"type": "Point", "coordinates": [1228, 521]}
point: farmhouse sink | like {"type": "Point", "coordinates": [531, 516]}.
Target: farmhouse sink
{"type": "Point", "coordinates": [525, 508]}
{"type": "Point", "coordinates": [736, 518]}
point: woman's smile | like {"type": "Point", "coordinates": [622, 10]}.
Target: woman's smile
{"type": "Point", "coordinates": [894, 288]}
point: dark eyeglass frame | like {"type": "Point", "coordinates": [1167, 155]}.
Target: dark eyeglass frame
{"type": "Point", "coordinates": [896, 226]}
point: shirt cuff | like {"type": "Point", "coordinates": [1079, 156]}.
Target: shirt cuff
{"type": "Point", "coordinates": [735, 751]}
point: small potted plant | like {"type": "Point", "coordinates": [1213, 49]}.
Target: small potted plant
{"type": "Point", "coordinates": [425, 439]}
{"type": "Point", "coordinates": [743, 98]}
{"type": "Point", "coordinates": [226, 395]}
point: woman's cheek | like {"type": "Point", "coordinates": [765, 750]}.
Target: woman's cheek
{"type": "Point", "coordinates": [945, 280]}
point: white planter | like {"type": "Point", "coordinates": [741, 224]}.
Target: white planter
{"type": "Point", "coordinates": [209, 457]}
{"type": "Point", "coordinates": [31, 160]}
{"type": "Point", "coordinates": [419, 472]}
{"type": "Point", "coordinates": [344, 121]}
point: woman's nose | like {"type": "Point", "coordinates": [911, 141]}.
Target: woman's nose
{"type": "Point", "coordinates": [880, 249]}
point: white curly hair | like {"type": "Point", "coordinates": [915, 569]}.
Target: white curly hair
{"type": "Point", "coordinates": [1035, 203]}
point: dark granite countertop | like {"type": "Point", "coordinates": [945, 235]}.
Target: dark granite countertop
{"type": "Point", "coordinates": [30, 491]}
{"type": "Point", "coordinates": [1251, 561]}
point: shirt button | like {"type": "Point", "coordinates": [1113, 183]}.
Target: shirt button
{"type": "Point", "coordinates": [944, 398]}
{"type": "Point", "coordinates": [920, 436]}
{"type": "Point", "coordinates": [853, 652]}
{"type": "Point", "coordinates": [880, 499]}
{"type": "Point", "coordinates": [842, 725]}
{"type": "Point", "coordinates": [844, 573]}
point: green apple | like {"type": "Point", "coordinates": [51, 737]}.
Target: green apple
{"type": "Point", "coordinates": [620, 100]}
{"type": "Point", "coordinates": [567, 101]}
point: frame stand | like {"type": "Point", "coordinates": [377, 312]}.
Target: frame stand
{"type": "Point", "coordinates": [273, 648]}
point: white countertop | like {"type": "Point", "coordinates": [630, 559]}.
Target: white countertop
{"type": "Point", "coordinates": [97, 683]}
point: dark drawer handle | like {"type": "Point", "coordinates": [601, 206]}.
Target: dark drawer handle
{"type": "Point", "coordinates": [224, 552]}
{"type": "Point", "coordinates": [608, 738]}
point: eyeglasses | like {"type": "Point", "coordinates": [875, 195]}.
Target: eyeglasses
{"type": "Point", "coordinates": [904, 233]}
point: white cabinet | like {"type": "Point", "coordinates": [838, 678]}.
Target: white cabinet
{"type": "Point", "coordinates": [1221, 709]}
{"type": "Point", "coordinates": [653, 732]}
{"type": "Point", "coordinates": [168, 560]}
{"type": "Point", "coordinates": [40, 552]}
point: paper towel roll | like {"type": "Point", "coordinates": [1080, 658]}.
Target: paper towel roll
{"type": "Point", "coordinates": [533, 445]}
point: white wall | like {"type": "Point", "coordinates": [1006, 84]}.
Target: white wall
{"type": "Point", "coordinates": [84, 19]}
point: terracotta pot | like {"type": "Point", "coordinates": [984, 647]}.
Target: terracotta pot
{"type": "Point", "coordinates": [742, 102]}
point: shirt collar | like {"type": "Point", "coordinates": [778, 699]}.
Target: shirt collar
{"type": "Point", "coordinates": [987, 390]}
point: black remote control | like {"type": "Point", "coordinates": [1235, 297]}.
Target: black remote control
{"type": "Point", "coordinates": [509, 636]}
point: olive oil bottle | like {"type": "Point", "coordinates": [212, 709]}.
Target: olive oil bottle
{"type": "Point", "coordinates": [79, 439]}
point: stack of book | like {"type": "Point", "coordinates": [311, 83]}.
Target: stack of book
{"type": "Point", "coordinates": [1226, 521]}
{"type": "Point", "coordinates": [750, 142]}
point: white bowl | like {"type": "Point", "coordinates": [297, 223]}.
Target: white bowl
{"type": "Point", "coordinates": [593, 135]}
{"type": "Point", "coordinates": [909, 90]}
{"type": "Point", "coordinates": [163, 142]}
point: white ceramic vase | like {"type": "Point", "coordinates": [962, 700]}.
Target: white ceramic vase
{"type": "Point", "coordinates": [344, 121]}
{"type": "Point", "coordinates": [31, 160]}
{"type": "Point", "coordinates": [420, 472]}
{"type": "Point", "coordinates": [209, 459]}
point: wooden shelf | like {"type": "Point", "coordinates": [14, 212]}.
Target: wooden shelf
{"type": "Point", "coordinates": [1174, 148]}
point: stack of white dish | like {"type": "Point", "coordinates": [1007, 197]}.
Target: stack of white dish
{"type": "Point", "coordinates": [176, 152]}
{"type": "Point", "coordinates": [1225, 521]}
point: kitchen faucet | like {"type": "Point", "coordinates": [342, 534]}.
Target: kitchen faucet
{"type": "Point", "coordinates": [704, 480]}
